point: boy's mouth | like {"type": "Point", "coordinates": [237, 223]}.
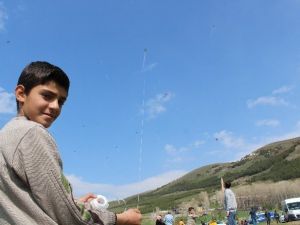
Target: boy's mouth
{"type": "Point", "coordinates": [51, 116]}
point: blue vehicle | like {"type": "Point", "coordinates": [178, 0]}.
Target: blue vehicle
{"type": "Point", "coordinates": [260, 217]}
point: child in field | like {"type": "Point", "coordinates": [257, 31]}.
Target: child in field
{"type": "Point", "coordinates": [33, 188]}
{"type": "Point", "coordinates": [181, 222]}
{"type": "Point", "coordinates": [169, 219]}
{"type": "Point", "coordinates": [213, 221]}
{"type": "Point", "coordinates": [159, 220]}
{"type": "Point", "coordinates": [191, 219]}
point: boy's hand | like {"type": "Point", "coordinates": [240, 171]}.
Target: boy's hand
{"type": "Point", "coordinates": [129, 217]}
{"type": "Point", "coordinates": [86, 198]}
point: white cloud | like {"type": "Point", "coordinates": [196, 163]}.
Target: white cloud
{"type": "Point", "coordinates": [267, 100]}
{"type": "Point", "coordinates": [267, 140]}
{"type": "Point", "coordinates": [114, 192]}
{"type": "Point", "coordinates": [283, 89]}
{"type": "Point", "coordinates": [292, 134]}
{"type": "Point", "coordinates": [156, 106]}
{"type": "Point", "coordinates": [3, 16]}
{"type": "Point", "coordinates": [178, 155]}
{"type": "Point", "coordinates": [228, 140]}
{"type": "Point", "coordinates": [198, 143]}
{"type": "Point", "coordinates": [243, 147]}
{"type": "Point", "coordinates": [176, 160]}
{"type": "Point", "coordinates": [149, 67]}
{"type": "Point", "coordinates": [170, 149]}
{"type": "Point", "coordinates": [7, 102]}
{"type": "Point", "coordinates": [268, 122]}
{"type": "Point", "coordinates": [271, 100]}
{"type": "Point", "coordinates": [237, 146]}
{"type": "Point", "coordinates": [20, 7]}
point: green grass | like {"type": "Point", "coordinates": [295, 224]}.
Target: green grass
{"type": "Point", "coordinates": [148, 221]}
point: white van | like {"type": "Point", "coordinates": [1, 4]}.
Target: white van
{"type": "Point", "coordinates": [291, 208]}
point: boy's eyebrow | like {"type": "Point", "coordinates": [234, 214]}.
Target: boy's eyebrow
{"type": "Point", "coordinates": [53, 93]}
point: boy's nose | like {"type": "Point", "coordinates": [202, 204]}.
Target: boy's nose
{"type": "Point", "coordinates": [54, 104]}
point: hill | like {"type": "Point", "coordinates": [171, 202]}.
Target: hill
{"type": "Point", "coordinates": [272, 163]}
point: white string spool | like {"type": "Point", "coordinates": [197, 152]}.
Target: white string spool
{"type": "Point", "coordinates": [99, 203]}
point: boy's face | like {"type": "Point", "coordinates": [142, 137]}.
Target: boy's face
{"type": "Point", "coordinates": [43, 103]}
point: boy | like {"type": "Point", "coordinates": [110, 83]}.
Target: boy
{"type": "Point", "coordinates": [181, 222]}
{"type": "Point", "coordinates": [191, 220]}
{"type": "Point", "coordinates": [159, 220]}
{"type": "Point", "coordinates": [169, 219]}
{"type": "Point", "coordinates": [33, 189]}
{"type": "Point", "coordinates": [230, 204]}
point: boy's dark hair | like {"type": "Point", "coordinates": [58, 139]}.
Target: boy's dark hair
{"type": "Point", "coordinates": [40, 72]}
{"type": "Point", "coordinates": [227, 184]}
{"type": "Point", "coordinates": [191, 208]}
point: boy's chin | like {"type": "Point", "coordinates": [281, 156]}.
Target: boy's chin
{"type": "Point", "coordinates": [45, 123]}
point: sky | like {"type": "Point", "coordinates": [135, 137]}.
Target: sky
{"type": "Point", "coordinates": [158, 88]}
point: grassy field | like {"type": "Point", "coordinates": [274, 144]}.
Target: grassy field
{"type": "Point", "coordinates": [289, 223]}
{"type": "Point", "coordinates": [149, 220]}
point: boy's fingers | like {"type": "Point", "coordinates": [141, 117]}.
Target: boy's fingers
{"type": "Point", "coordinates": [137, 210]}
{"type": "Point", "coordinates": [87, 197]}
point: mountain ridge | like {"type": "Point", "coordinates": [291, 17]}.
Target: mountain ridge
{"type": "Point", "coordinates": [273, 162]}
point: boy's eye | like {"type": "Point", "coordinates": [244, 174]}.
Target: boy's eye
{"type": "Point", "coordinates": [61, 102]}
{"type": "Point", "coordinates": [46, 96]}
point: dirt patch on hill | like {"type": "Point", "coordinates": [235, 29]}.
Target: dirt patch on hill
{"type": "Point", "coordinates": [295, 154]}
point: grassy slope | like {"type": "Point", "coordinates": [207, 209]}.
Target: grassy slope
{"type": "Point", "coordinates": [275, 162]}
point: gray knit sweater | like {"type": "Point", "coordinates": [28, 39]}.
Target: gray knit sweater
{"type": "Point", "coordinates": [229, 200]}
{"type": "Point", "coordinates": [33, 189]}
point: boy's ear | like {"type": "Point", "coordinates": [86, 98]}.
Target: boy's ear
{"type": "Point", "coordinates": [20, 93]}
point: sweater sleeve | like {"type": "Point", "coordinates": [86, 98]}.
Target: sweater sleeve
{"type": "Point", "coordinates": [226, 200]}
{"type": "Point", "coordinates": [37, 163]}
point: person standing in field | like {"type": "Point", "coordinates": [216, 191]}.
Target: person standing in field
{"type": "Point", "coordinates": [253, 215]}
{"type": "Point", "coordinates": [169, 219]}
{"type": "Point", "coordinates": [191, 220]}
{"type": "Point", "coordinates": [276, 216]}
{"type": "Point", "coordinates": [268, 216]}
{"type": "Point", "coordinates": [230, 204]}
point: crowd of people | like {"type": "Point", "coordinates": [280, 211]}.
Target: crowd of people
{"type": "Point", "coordinates": [230, 206]}
{"type": "Point", "coordinates": [268, 215]}
{"type": "Point", "coordinates": [191, 217]}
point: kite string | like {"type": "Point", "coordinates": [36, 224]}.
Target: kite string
{"type": "Point", "coordinates": [142, 126]}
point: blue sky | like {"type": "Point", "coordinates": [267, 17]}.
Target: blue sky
{"type": "Point", "coordinates": [158, 88]}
